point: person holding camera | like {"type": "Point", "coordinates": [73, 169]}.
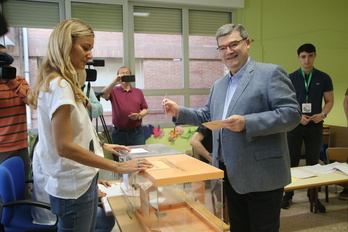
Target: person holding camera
{"type": "Point", "coordinates": [128, 109]}
{"type": "Point", "coordinates": [93, 106]}
{"type": "Point", "coordinates": [13, 116]}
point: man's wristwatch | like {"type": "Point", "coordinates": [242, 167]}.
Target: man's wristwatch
{"type": "Point", "coordinates": [324, 115]}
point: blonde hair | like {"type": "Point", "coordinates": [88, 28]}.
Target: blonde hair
{"type": "Point", "coordinates": [57, 61]}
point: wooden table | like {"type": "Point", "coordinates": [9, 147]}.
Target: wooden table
{"type": "Point", "coordinates": [126, 220]}
{"type": "Point", "coordinates": [313, 183]}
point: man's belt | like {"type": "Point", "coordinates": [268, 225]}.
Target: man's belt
{"type": "Point", "coordinates": [129, 129]}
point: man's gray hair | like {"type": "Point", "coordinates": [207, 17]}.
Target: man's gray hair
{"type": "Point", "coordinates": [227, 29]}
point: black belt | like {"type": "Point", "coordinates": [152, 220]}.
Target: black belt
{"type": "Point", "coordinates": [128, 130]}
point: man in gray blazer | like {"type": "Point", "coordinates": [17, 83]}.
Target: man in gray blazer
{"type": "Point", "coordinates": [257, 105]}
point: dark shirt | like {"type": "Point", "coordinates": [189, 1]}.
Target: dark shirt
{"type": "Point", "coordinates": [207, 141]}
{"type": "Point", "coordinates": [320, 83]}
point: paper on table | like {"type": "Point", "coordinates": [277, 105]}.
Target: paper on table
{"type": "Point", "coordinates": [107, 207]}
{"type": "Point", "coordinates": [113, 190]}
{"type": "Point", "coordinates": [138, 150]}
{"type": "Point", "coordinates": [320, 169]}
{"type": "Point", "coordinates": [342, 167]}
{"type": "Point", "coordinates": [213, 125]}
{"type": "Point", "coordinates": [300, 174]}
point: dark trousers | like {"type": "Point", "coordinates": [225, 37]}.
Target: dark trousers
{"type": "Point", "coordinates": [128, 137]}
{"type": "Point", "coordinates": [253, 212]}
{"type": "Point", "coordinates": [311, 136]}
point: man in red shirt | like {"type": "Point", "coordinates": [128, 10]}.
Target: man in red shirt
{"type": "Point", "coordinates": [128, 109]}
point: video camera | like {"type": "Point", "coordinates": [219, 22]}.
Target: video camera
{"type": "Point", "coordinates": [91, 74]}
{"type": "Point", "coordinates": [6, 72]}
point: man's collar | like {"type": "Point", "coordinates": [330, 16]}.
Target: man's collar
{"type": "Point", "coordinates": [125, 90]}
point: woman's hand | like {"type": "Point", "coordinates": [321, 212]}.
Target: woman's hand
{"type": "Point", "coordinates": [134, 165]}
{"type": "Point", "coordinates": [113, 148]}
{"type": "Point", "coordinates": [104, 182]}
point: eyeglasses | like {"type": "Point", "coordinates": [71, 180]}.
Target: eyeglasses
{"type": "Point", "coordinates": [233, 45]}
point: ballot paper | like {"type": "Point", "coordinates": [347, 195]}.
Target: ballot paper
{"type": "Point", "coordinates": [214, 125]}
{"type": "Point", "coordinates": [138, 150]}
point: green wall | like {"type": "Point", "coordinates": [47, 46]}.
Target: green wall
{"type": "Point", "coordinates": [279, 27]}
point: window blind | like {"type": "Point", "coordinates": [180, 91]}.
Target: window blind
{"type": "Point", "coordinates": [153, 20]}
{"type": "Point", "coordinates": [31, 14]}
{"type": "Point", "coordinates": [101, 17]}
{"type": "Point", "coordinates": [207, 22]}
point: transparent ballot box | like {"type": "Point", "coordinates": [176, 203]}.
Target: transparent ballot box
{"type": "Point", "coordinates": [180, 193]}
{"type": "Point", "coordinates": [148, 150]}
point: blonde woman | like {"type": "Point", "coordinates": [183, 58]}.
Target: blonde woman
{"type": "Point", "coordinates": [71, 153]}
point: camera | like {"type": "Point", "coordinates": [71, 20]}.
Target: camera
{"type": "Point", "coordinates": [91, 74]}
{"type": "Point", "coordinates": [128, 78]}
{"type": "Point", "coordinates": [6, 72]}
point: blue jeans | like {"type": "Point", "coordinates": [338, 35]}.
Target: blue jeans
{"type": "Point", "coordinates": [128, 137]}
{"type": "Point", "coordinates": [104, 223]}
{"type": "Point", "coordinates": [77, 215]}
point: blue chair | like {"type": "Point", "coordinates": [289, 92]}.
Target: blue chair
{"type": "Point", "coordinates": [15, 210]}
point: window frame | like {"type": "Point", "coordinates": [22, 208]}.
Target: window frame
{"type": "Point", "coordinates": [128, 33]}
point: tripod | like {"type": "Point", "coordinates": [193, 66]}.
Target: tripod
{"type": "Point", "coordinates": [105, 128]}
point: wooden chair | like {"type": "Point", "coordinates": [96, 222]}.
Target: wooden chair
{"type": "Point", "coordinates": [337, 154]}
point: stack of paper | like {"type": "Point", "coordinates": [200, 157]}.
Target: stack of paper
{"type": "Point", "coordinates": [113, 190]}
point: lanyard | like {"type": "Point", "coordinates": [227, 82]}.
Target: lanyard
{"type": "Point", "coordinates": [307, 83]}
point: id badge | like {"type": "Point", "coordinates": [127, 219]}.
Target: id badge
{"type": "Point", "coordinates": [307, 108]}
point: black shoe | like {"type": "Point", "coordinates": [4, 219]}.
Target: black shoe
{"type": "Point", "coordinates": [344, 194]}
{"type": "Point", "coordinates": [344, 191]}
{"type": "Point", "coordinates": [286, 202]}
{"type": "Point", "coordinates": [321, 208]}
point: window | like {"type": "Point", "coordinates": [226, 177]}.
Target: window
{"type": "Point", "coordinates": [205, 64]}
{"type": "Point", "coordinates": [106, 21]}
{"type": "Point", "coordinates": [171, 49]}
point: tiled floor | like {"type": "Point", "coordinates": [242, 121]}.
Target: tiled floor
{"type": "Point", "coordinates": [298, 217]}
{"type": "Point", "coordinates": [116, 229]}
